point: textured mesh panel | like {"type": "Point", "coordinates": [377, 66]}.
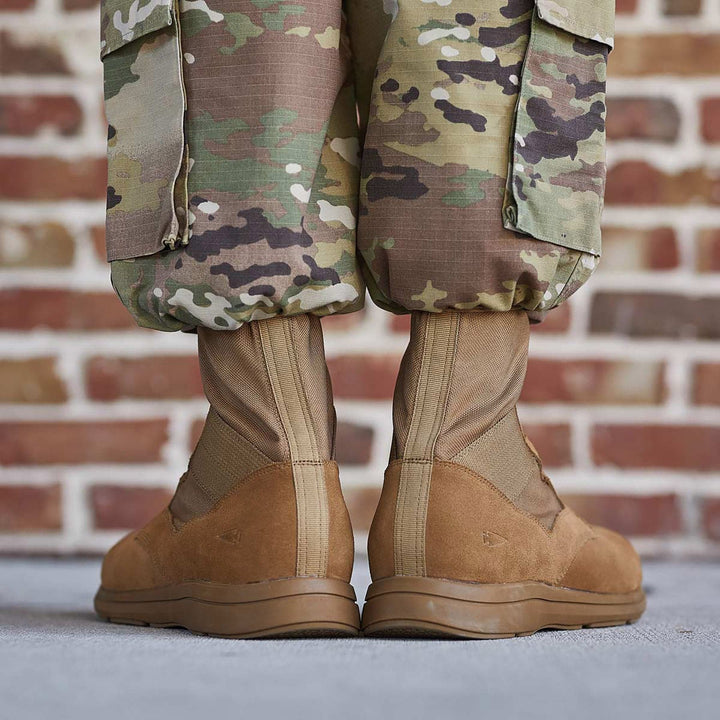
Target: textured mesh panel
{"type": "Point", "coordinates": [501, 456]}
{"type": "Point", "coordinates": [480, 428]}
{"type": "Point", "coordinates": [488, 376]}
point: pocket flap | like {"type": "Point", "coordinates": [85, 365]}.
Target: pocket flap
{"type": "Point", "coordinates": [123, 21]}
{"type": "Point", "coordinates": [591, 19]}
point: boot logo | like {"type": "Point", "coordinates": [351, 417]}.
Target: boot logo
{"type": "Point", "coordinates": [491, 539]}
{"type": "Point", "coordinates": [231, 536]}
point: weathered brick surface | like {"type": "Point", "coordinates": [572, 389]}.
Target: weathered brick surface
{"type": "Point", "coordinates": [44, 245]}
{"type": "Point", "coordinates": [26, 115]}
{"type": "Point", "coordinates": [706, 384]}
{"type": "Point", "coordinates": [680, 54]}
{"type": "Point", "coordinates": [711, 518]}
{"type": "Point", "coordinates": [48, 178]}
{"type": "Point", "coordinates": [710, 119]}
{"type": "Point", "coordinates": [637, 182]}
{"type": "Point", "coordinates": [82, 442]}
{"type": "Point", "coordinates": [30, 508]}
{"type": "Point", "coordinates": [364, 377]}
{"type": "Point", "coordinates": [30, 309]}
{"type": "Point", "coordinates": [593, 382]}
{"type": "Point", "coordinates": [552, 441]}
{"type": "Point", "coordinates": [681, 7]}
{"type": "Point", "coordinates": [642, 118]}
{"type": "Point", "coordinates": [31, 380]}
{"type": "Point", "coordinates": [634, 515]}
{"type": "Point", "coordinates": [656, 315]}
{"type": "Point", "coordinates": [677, 447]}
{"type": "Point", "coordinates": [157, 377]}
{"type": "Point", "coordinates": [123, 507]}
{"type": "Point", "coordinates": [29, 55]}
{"type": "Point", "coordinates": [354, 443]}
{"type": "Point", "coordinates": [624, 379]}
{"type": "Point", "coordinates": [627, 249]}
{"type": "Point", "coordinates": [708, 250]}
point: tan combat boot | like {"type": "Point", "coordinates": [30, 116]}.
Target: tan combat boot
{"type": "Point", "coordinates": [257, 539]}
{"type": "Point", "coordinates": [469, 538]}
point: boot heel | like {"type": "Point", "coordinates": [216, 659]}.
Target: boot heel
{"type": "Point", "coordinates": [421, 606]}
{"type": "Point", "coordinates": [311, 607]}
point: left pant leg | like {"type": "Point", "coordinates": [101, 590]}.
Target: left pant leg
{"type": "Point", "coordinates": [482, 172]}
{"type": "Point", "coordinates": [260, 167]}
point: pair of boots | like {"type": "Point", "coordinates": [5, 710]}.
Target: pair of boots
{"type": "Point", "coordinates": [469, 538]}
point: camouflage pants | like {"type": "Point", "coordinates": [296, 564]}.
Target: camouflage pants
{"type": "Point", "coordinates": [274, 157]}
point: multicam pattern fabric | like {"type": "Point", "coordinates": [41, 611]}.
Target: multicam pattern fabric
{"type": "Point", "coordinates": [283, 186]}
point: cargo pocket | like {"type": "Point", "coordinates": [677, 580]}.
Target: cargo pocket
{"type": "Point", "coordinates": [556, 177]}
{"type": "Point", "coordinates": [147, 207]}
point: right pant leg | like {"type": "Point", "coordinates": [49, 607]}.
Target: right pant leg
{"type": "Point", "coordinates": [482, 172]}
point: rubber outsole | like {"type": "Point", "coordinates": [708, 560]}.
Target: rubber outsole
{"type": "Point", "coordinates": [292, 607]}
{"type": "Point", "coordinates": [430, 607]}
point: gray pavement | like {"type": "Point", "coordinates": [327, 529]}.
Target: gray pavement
{"type": "Point", "coordinates": [58, 661]}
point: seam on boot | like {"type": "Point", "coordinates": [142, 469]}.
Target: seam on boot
{"type": "Point", "coordinates": [307, 466]}
{"type": "Point", "coordinates": [429, 408]}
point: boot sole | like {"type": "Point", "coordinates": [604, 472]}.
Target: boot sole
{"type": "Point", "coordinates": [429, 607]}
{"type": "Point", "coordinates": [306, 607]}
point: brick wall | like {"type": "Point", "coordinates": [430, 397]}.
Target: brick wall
{"type": "Point", "coordinates": [623, 391]}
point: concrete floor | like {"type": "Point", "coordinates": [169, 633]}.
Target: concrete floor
{"type": "Point", "coordinates": [58, 661]}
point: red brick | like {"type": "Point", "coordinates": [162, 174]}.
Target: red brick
{"type": "Point", "coordinates": [9, 5]}
{"type": "Point", "coordinates": [31, 380]}
{"type": "Point", "coordinates": [31, 55]}
{"type": "Point", "coordinates": [75, 443]}
{"type": "Point", "coordinates": [710, 119]}
{"type": "Point", "coordinates": [120, 507]}
{"type": "Point", "coordinates": [342, 322]}
{"type": "Point", "coordinates": [48, 178]}
{"type": "Point", "coordinates": [708, 250]}
{"type": "Point", "coordinates": [556, 321]}
{"type": "Point", "coordinates": [364, 377]}
{"type": "Point", "coordinates": [681, 54]}
{"type": "Point", "coordinates": [710, 518]}
{"type": "Point", "coordinates": [648, 315]}
{"type": "Point", "coordinates": [44, 245]}
{"type": "Point", "coordinates": [625, 7]}
{"type": "Point", "coordinates": [642, 118]}
{"type": "Point", "coordinates": [630, 514]}
{"type": "Point", "coordinates": [706, 384]}
{"type": "Point", "coordinates": [97, 235]}
{"type": "Point", "coordinates": [353, 443]}
{"type": "Point", "coordinates": [28, 309]}
{"type": "Point", "coordinates": [552, 442]}
{"type": "Point", "coordinates": [30, 508]}
{"type": "Point", "coordinates": [682, 7]}
{"type": "Point", "coordinates": [361, 503]}
{"type": "Point", "coordinates": [593, 382]}
{"type": "Point", "coordinates": [632, 249]}
{"type": "Point", "coordinates": [400, 323]}
{"type": "Point", "coordinates": [26, 115]}
{"type": "Point", "coordinates": [158, 377]}
{"type": "Point", "coordinates": [674, 447]}
{"type": "Point", "coordinates": [636, 182]}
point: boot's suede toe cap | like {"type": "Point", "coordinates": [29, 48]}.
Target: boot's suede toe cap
{"type": "Point", "coordinates": [127, 566]}
{"type": "Point", "coordinates": [606, 563]}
